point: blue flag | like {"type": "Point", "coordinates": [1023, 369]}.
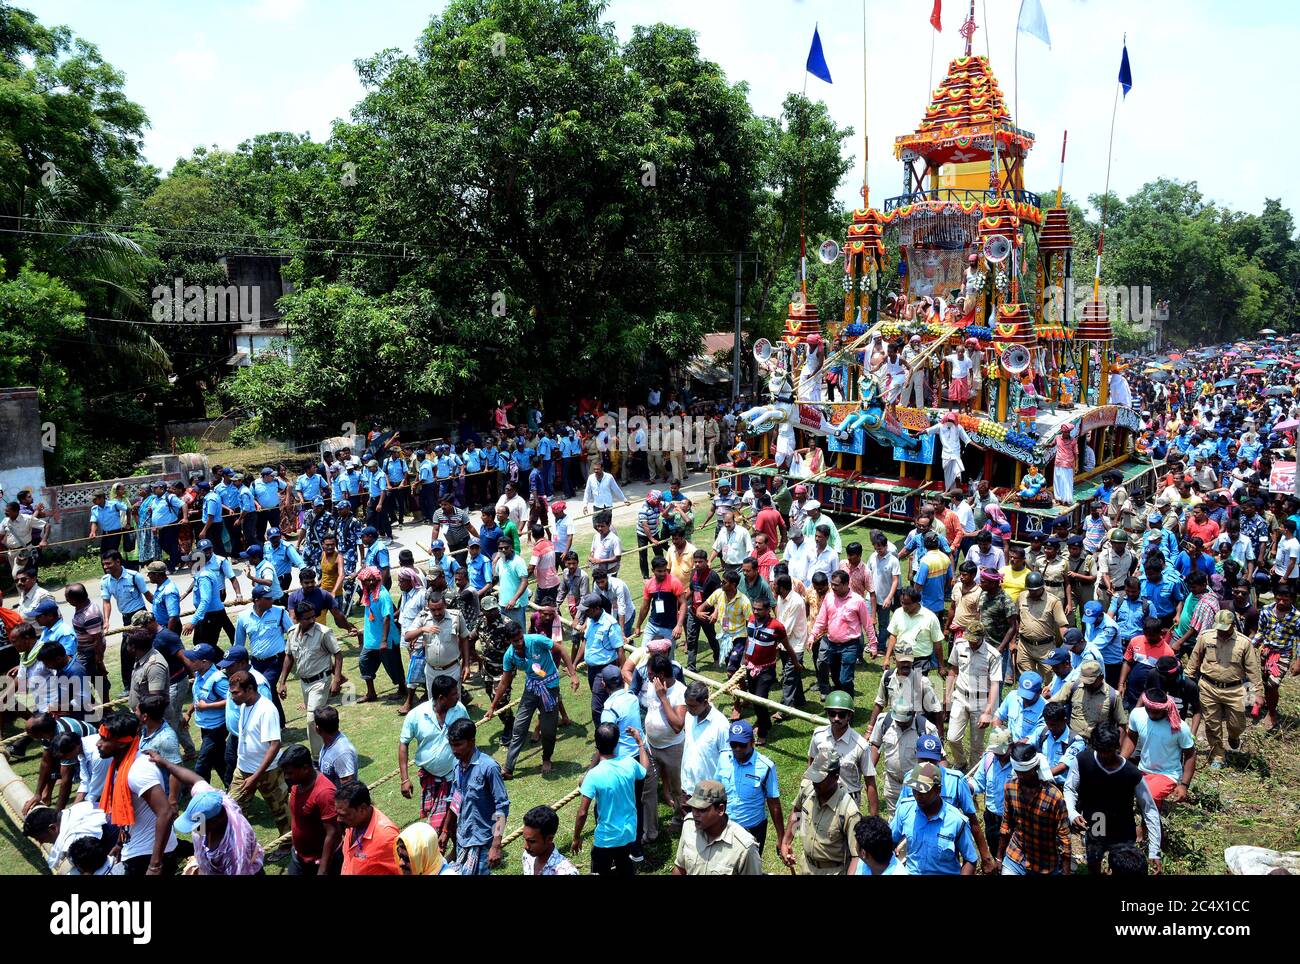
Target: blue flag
{"type": "Point", "coordinates": [817, 60]}
{"type": "Point", "coordinates": [1125, 72]}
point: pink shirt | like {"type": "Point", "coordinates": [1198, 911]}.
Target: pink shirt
{"type": "Point", "coordinates": [1067, 452]}
{"type": "Point", "coordinates": [844, 620]}
{"type": "Point", "coordinates": [859, 576]}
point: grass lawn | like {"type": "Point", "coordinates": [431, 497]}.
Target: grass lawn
{"type": "Point", "coordinates": [1258, 803]}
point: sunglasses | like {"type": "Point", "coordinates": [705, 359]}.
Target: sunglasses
{"type": "Point", "coordinates": [837, 714]}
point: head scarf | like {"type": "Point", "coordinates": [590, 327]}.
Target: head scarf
{"type": "Point", "coordinates": [1175, 721]}
{"type": "Point", "coordinates": [421, 842]}
{"type": "Point", "coordinates": [1036, 762]}
{"type": "Point", "coordinates": [991, 575]}
{"type": "Point", "coordinates": [368, 594]}
{"type": "Point", "coordinates": [116, 799]}
{"type": "Point", "coordinates": [413, 574]}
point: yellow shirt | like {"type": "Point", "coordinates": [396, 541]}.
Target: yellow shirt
{"type": "Point", "coordinates": [1014, 582]}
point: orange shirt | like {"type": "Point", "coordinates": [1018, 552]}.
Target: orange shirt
{"type": "Point", "coordinates": [372, 851]}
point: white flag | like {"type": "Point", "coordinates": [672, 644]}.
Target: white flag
{"type": "Point", "coordinates": [1033, 22]}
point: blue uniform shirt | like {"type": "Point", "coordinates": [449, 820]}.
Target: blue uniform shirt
{"type": "Point", "coordinates": [1019, 718]}
{"type": "Point", "coordinates": [267, 494]}
{"type": "Point", "coordinates": [166, 602]}
{"type": "Point", "coordinates": [623, 710]}
{"type": "Point", "coordinates": [376, 555]}
{"type": "Point", "coordinates": [396, 470]}
{"type": "Point", "coordinates": [108, 516]}
{"type": "Point", "coordinates": [263, 636]}
{"type": "Point", "coordinates": [991, 778]}
{"type": "Point", "coordinates": [935, 845]}
{"type": "Point", "coordinates": [310, 487]}
{"type": "Point", "coordinates": [246, 501]}
{"type": "Point", "coordinates": [207, 595]}
{"type": "Point", "coordinates": [165, 510]}
{"type": "Point", "coordinates": [127, 591]}
{"type": "Point", "coordinates": [1164, 595]}
{"type": "Point", "coordinates": [1057, 749]}
{"type": "Point", "coordinates": [211, 507]}
{"type": "Point", "coordinates": [749, 786]}
{"type": "Point", "coordinates": [284, 557]}
{"type": "Point", "coordinates": [604, 640]}
{"type": "Point", "coordinates": [211, 687]}
{"type": "Point", "coordinates": [425, 468]}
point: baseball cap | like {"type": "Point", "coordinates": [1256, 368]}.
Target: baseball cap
{"type": "Point", "coordinates": [421, 452]}
{"type": "Point", "coordinates": [273, 533]}
{"type": "Point", "coordinates": [826, 762]}
{"type": "Point", "coordinates": [142, 618]}
{"type": "Point", "coordinates": [343, 504]}
{"type": "Point", "coordinates": [267, 470]}
{"type": "Point", "coordinates": [1092, 610]}
{"type": "Point", "coordinates": [253, 550]}
{"type": "Point", "coordinates": [317, 503]}
{"type": "Point", "coordinates": [227, 473]}
{"type": "Point", "coordinates": [156, 566]}
{"type": "Point", "coordinates": [46, 607]}
{"type": "Point", "coordinates": [998, 740]}
{"type": "Point", "coordinates": [928, 747]}
{"type": "Point", "coordinates": [237, 654]}
{"type": "Point", "coordinates": [610, 674]}
{"type": "Point", "coordinates": [903, 653]}
{"type": "Point", "coordinates": [488, 603]}
{"type": "Point", "coordinates": [202, 651]}
{"type": "Point", "coordinates": [203, 807]}
{"type": "Point", "coordinates": [1072, 637]}
{"type": "Point", "coordinates": [724, 483]}
{"type": "Point", "coordinates": [812, 504]}
{"type": "Point", "coordinates": [1031, 684]}
{"type": "Point", "coordinates": [203, 544]}
{"type": "Point", "coordinates": [1225, 620]}
{"type": "Point", "coordinates": [437, 544]}
{"type": "Point", "coordinates": [592, 599]}
{"type": "Point", "coordinates": [261, 592]}
{"type": "Point", "coordinates": [370, 531]}
{"type": "Point", "coordinates": [1091, 671]}
{"type": "Point", "coordinates": [923, 777]}
{"type": "Point", "coordinates": [708, 793]}
{"type": "Point", "coordinates": [1057, 656]}
{"type": "Point", "coordinates": [742, 731]}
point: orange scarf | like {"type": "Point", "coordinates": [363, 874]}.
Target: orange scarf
{"type": "Point", "coordinates": [116, 801]}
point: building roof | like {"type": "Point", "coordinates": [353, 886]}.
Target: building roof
{"type": "Point", "coordinates": [716, 341]}
{"type": "Point", "coordinates": [960, 119]}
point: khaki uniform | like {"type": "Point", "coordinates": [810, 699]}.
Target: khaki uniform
{"type": "Point", "coordinates": [733, 854]}
{"type": "Point", "coordinates": [1089, 708]}
{"type": "Point", "coordinates": [855, 757]}
{"type": "Point", "coordinates": [897, 746]}
{"type": "Point", "coordinates": [1118, 566]}
{"type": "Point", "coordinates": [313, 655]}
{"type": "Point", "coordinates": [442, 648]}
{"type": "Point", "coordinates": [1041, 622]}
{"type": "Point", "coordinates": [827, 831]}
{"type": "Point", "coordinates": [978, 672]}
{"type": "Point", "coordinates": [1225, 668]}
{"type": "Point", "coordinates": [1054, 576]}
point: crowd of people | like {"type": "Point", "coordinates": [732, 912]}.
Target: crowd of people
{"type": "Point", "coordinates": [1035, 700]}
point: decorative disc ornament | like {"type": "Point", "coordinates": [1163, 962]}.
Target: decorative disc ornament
{"type": "Point", "coordinates": [829, 251]}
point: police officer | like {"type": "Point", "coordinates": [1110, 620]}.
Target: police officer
{"type": "Point", "coordinates": [854, 751]}
{"type": "Point", "coordinates": [493, 641]}
{"type": "Point", "coordinates": [938, 836]}
{"type": "Point", "coordinates": [1226, 661]}
{"type": "Point", "coordinates": [826, 818]}
{"type": "Point", "coordinates": [894, 737]}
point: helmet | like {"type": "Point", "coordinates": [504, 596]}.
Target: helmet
{"type": "Point", "coordinates": [1034, 581]}
{"type": "Point", "coordinates": [839, 700]}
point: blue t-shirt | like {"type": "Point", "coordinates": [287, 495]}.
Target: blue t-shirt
{"type": "Point", "coordinates": [623, 710]}
{"type": "Point", "coordinates": [537, 649]}
{"type": "Point", "coordinates": [611, 785]}
{"type": "Point", "coordinates": [510, 573]}
{"type": "Point", "coordinates": [380, 606]}
{"type": "Point", "coordinates": [211, 687]}
{"type": "Point", "coordinates": [267, 494]}
{"type": "Point", "coordinates": [489, 537]}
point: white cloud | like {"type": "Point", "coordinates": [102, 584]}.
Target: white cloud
{"type": "Point", "coordinates": [197, 63]}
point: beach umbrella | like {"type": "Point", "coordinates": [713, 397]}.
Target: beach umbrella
{"type": "Point", "coordinates": [1226, 383]}
{"type": "Point", "coordinates": [1267, 331]}
{"type": "Point", "coordinates": [1286, 426]}
{"type": "Point", "coordinates": [1253, 371]}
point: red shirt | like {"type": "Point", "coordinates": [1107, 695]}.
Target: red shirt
{"type": "Point", "coordinates": [764, 638]}
{"type": "Point", "coordinates": [1207, 530]}
{"type": "Point", "coordinates": [1140, 651]}
{"type": "Point", "coordinates": [308, 811]}
{"type": "Point", "coordinates": [769, 522]}
{"type": "Point", "coordinates": [766, 563]}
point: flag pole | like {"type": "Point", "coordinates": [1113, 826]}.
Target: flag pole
{"type": "Point", "coordinates": [1105, 197]}
{"type": "Point", "coordinates": [866, 139]}
{"type": "Point", "coordinates": [803, 215]}
{"type": "Point", "coordinates": [1060, 180]}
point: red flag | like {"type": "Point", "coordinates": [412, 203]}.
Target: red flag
{"type": "Point", "coordinates": [934, 15]}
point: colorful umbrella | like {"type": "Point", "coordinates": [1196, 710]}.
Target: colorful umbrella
{"type": "Point", "coordinates": [1286, 426]}
{"type": "Point", "coordinates": [1226, 383]}
{"type": "Point", "coordinates": [1267, 331]}
{"type": "Point", "coordinates": [1254, 371]}
{"type": "Point", "coordinates": [1277, 390]}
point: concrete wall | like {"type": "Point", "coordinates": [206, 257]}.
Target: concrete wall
{"type": "Point", "coordinates": [22, 461]}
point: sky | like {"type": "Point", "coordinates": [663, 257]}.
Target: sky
{"type": "Point", "coordinates": [1204, 75]}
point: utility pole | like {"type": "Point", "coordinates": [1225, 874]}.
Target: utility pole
{"type": "Point", "coordinates": [735, 348]}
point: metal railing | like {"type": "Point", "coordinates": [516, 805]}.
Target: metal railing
{"type": "Point", "coordinates": [961, 196]}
